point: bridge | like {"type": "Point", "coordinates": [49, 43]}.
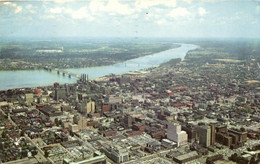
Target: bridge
{"type": "Point", "coordinates": [83, 78]}
{"type": "Point", "coordinates": [62, 72]}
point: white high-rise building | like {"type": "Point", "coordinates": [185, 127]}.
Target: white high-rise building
{"type": "Point", "coordinates": [175, 134]}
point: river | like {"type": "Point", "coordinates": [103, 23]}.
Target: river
{"type": "Point", "coordinates": [34, 78]}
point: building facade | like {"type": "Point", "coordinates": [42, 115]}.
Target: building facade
{"type": "Point", "coordinates": [175, 134]}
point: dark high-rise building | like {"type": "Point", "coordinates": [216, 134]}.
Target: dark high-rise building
{"type": "Point", "coordinates": [204, 134]}
{"type": "Point", "coordinates": [128, 120]}
{"type": "Point", "coordinates": [80, 97]}
{"type": "Point", "coordinates": [213, 134]}
{"type": "Point", "coordinates": [191, 131]}
{"type": "Point", "coordinates": [84, 78]}
{"type": "Point", "coordinates": [221, 128]}
{"type": "Point", "coordinates": [60, 93]}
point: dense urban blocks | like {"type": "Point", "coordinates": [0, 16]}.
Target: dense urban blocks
{"type": "Point", "coordinates": [200, 110]}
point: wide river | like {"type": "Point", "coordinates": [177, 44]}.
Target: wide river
{"type": "Point", "coordinates": [34, 78]}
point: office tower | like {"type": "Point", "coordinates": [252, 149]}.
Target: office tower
{"type": "Point", "coordinates": [175, 134]}
{"type": "Point", "coordinates": [29, 98]}
{"type": "Point", "coordinates": [213, 133]}
{"type": "Point", "coordinates": [204, 134]}
{"type": "Point", "coordinates": [128, 120]}
{"type": "Point", "coordinates": [88, 106]}
{"type": "Point", "coordinates": [60, 93]}
{"type": "Point", "coordinates": [80, 121]}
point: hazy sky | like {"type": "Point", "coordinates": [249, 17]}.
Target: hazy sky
{"type": "Point", "coordinates": [130, 18]}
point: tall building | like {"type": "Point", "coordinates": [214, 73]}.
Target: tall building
{"type": "Point", "coordinates": [204, 134]}
{"type": "Point", "coordinates": [80, 96]}
{"type": "Point", "coordinates": [29, 98]}
{"type": "Point", "coordinates": [175, 134]}
{"type": "Point", "coordinates": [84, 78]}
{"type": "Point", "coordinates": [59, 93]}
{"type": "Point", "coordinates": [191, 131]}
{"type": "Point", "coordinates": [88, 106]}
{"type": "Point", "coordinates": [91, 106]}
{"type": "Point", "coordinates": [128, 120]}
{"type": "Point", "coordinates": [80, 121]}
{"type": "Point", "coordinates": [213, 134]}
{"type": "Point", "coordinates": [67, 87]}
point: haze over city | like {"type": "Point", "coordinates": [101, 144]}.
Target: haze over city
{"type": "Point", "coordinates": [131, 18]}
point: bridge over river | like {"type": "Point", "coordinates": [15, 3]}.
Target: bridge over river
{"type": "Point", "coordinates": [78, 76]}
{"type": "Point", "coordinates": [83, 77]}
{"type": "Point", "coordinates": [62, 72]}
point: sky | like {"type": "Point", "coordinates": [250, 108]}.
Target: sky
{"type": "Point", "coordinates": [130, 18]}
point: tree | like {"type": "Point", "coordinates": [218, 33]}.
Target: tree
{"type": "Point", "coordinates": [71, 133]}
{"type": "Point", "coordinates": [4, 134]}
{"type": "Point", "coordinates": [60, 122]}
{"type": "Point", "coordinates": [253, 161]}
{"type": "Point", "coordinates": [56, 121]}
{"type": "Point", "coordinates": [22, 133]}
{"type": "Point", "coordinates": [24, 153]}
{"type": "Point", "coordinates": [242, 129]}
{"type": "Point", "coordinates": [46, 154]}
{"type": "Point", "coordinates": [34, 152]}
{"type": "Point", "coordinates": [1, 145]}
{"type": "Point", "coordinates": [233, 157]}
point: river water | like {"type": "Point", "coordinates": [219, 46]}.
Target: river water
{"type": "Point", "coordinates": [34, 78]}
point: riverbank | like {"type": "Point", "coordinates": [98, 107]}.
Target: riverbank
{"type": "Point", "coordinates": [30, 56]}
{"type": "Point", "coordinates": [34, 78]}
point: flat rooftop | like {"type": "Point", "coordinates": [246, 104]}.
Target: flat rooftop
{"type": "Point", "coordinates": [24, 161]}
{"type": "Point", "coordinates": [187, 155]}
